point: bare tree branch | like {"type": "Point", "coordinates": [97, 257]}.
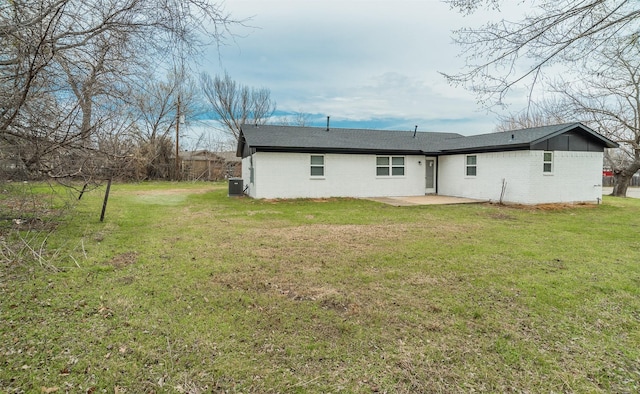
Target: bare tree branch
{"type": "Point", "coordinates": [236, 104]}
{"type": "Point", "coordinates": [605, 95]}
{"type": "Point", "coordinates": [504, 54]}
{"type": "Point", "coordinates": [67, 67]}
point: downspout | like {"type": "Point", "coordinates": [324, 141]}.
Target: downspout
{"type": "Point", "coordinates": [252, 175]}
{"type": "Point", "coordinates": [436, 173]}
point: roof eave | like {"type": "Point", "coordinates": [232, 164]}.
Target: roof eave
{"type": "Point", "coordinates": [488, 148]}
{"type": "Point", "coordinates": [298, 149]}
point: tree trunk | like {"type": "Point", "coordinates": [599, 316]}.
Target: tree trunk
{"type": "Point", "coordinates": [87, 110]}
{"type": "Point", "coordinates": [620, 184]}
{"type": "Point", "coordinates": [622, 178]}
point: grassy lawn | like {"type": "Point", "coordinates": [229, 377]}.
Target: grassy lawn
{"type": "Point", "coordinates": [182, 289]}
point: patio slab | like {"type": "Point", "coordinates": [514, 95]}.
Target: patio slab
{"type": "Point", "coordinates": [430, 199]}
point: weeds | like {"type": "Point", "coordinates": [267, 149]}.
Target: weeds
{"type": "Point", "coordinates": [29, 215]}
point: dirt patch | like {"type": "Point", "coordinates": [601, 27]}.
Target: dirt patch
{"type": "Point", "coordinates": [307, 247]}
{"type": "Point", "coordinates": [169, 196]}
{"type": "Point", "coordinates": [560, 207]}
{"type": "Point", "coordinates": [27, 213]}
{"type": "Point", "coordinates": [27, 224]}
{"type": "Point", "coordinates": [322, 242]}
{"type": "Point", "coordinates": [550, 207]}
{"type": "Point", "coordinates": [303, 294]}
{"type": "Point", "coordinates": [345, 233]}
{"type": "Point", "coordinates": [287, 200]}
{"type": "Point", "coordinates": [327, 297]}
{"type": "Point", "coordinates": [124, 259]}
{"type": "Point", "coordinates": [174, 192]}
{"type": "Point", "coordinates": [502, 216]}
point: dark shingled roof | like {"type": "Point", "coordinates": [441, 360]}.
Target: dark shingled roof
{"type": "Point", "coordinates": [317, 139]}
{"type": "Point", "coordinates": [518, 138]}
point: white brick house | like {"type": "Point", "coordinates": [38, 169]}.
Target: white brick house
{"type": "Point", "coordinates": [561, 163]}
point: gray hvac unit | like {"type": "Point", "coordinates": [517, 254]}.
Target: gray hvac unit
{"type": "Point", "coordinates": [235, 187]}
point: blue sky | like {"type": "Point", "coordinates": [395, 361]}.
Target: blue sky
{"type": "Point", "coordinates": [365, 63]}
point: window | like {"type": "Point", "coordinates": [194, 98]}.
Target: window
{"type": "Point", "coordinates": [547, 163]}
{"type": "Point", "coordinates": [472, 165]}
{"type": "Point", "coordinates": [390, 166]}
{"type": "Point", "coordinates": [317, 165]}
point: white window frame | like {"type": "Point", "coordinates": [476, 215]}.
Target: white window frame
{"type": "Point", "coordinates": [468, 166]}
{"type": "Point", "coordinates": [547, 163]}
{"type": "Point", "coordinates": [391, 166]}
{"type": "Point", "coordinates": [313, 166]}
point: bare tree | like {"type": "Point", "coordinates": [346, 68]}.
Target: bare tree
{"type": "Point", "coordinates": [156, 104]}
{"type": "Point", "coordinates": [25, 51]}
{"type": "Point", "coordinates": [297, 119]}
{"type": "Point", "coordinates": [97, 74]}
{"type": "Point", "coordinates": [503, 54]}
{"type": "Point", "coordinates": [595, 42]}
{"type": "Point", "coordinates": [549, 112]}
{"type": "Point", "coordinates": [58, 58]}
{"type": "Point", "coordinates": [606, 96]}
{"type": "Point", "coordinates": [236, 104]}
{"type": "Point", "coordinates": [67, 68]}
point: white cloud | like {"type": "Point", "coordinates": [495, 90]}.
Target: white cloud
{"type": "Point", "coordinates": [352, 59]}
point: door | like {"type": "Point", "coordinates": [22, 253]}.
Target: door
{"type": "Point", "coordinates": [430, 175]}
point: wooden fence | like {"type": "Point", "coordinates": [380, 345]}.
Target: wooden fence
{"type": "Point", "coordinates": [607, 181]}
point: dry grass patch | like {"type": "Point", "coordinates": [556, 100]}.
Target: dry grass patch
{"type": "Point", "coordinates": [124, 259]}
{"type": "Point", "coordinates": [317, 240]}
{"type": "Point", "coordinates": [167, 189]}
{"type": "Point", "coordinates": [550, 206]}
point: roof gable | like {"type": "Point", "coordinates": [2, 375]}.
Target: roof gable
{"type": "Point", "coordinates": [531, 138]}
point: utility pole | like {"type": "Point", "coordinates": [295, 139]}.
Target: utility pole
{"type": "Point", "coordinates": [178, 140]}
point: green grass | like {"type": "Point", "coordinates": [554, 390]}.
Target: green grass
{"type": "Point", "coordinates": [182, 289]}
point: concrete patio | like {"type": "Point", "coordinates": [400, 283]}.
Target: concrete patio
{"type": "Point", "coordinates": [430, 199]}
{"type": "Point", "coordinates": [434, 199]}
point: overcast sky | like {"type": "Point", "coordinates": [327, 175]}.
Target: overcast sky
{"type": "Point", "coordinates": [365, 63]}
